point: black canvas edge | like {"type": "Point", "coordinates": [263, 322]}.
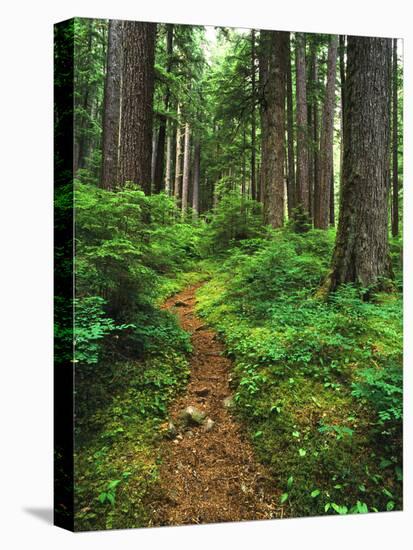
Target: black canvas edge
{"type": "Point", "coordinates": [63, 275]}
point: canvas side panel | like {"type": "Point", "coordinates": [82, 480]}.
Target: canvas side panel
{"type": "Point", "coordinates": [63, 274]}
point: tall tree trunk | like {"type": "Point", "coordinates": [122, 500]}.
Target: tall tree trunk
{"type": "Point", "coordinates": [178, 157]}
{"type": "Point", "coordinates": [342, 48]}
{"type": "Point", "coordinates": [244, 165]}
{"type": "Point", "coordinates": [160, 149]}
{"type": "Point", "coordinates": [253, 119]}
{"type": "Point", "coordinates": [302, 181]}
{"type": "Point", "coordinates": [312, 118]}
{"type": "Point", "coordinates": [111, 111]}
{"type": "Point", "coordinates": [168, 170]}
{"type": "Point", "coordinates": [395, 197]}
{"type": "Point", "coordinates": [332, 199]}
{"type": "Point", "coordinates": [361, 253]}
{"type": "Point", "coordinates": [274, 114]}
{"type": "Point", "coordinates": [196, 180]}
{"type": "Point", "coordinates": [322, 211]}
{"type": "Point", "coordinates": [81, 121]}
{"type": "Point", "coordinates": [257, 194]}
{"type": "Point", "coordinates": [137, 103]}
{"type": "Point", "coordinates": [185, 176]}
{"type": "Point", "coordinates": [291, 198]}
{"type": "Point", "coordinates": [153, 156]}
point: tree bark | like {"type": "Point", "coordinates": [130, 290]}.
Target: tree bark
{"type": "Point", "coordinates": [322, 210]}
{"type": "Point", "coordinates": [274, 114]}
{"type": "Point", "coordinates": [168, 171]}
{"type": "Point", "coordinates": [361, 253]}
{"type": "Point", "coordinates": [160, 149]}
{"type": "Point", "coordinates": [302, 181]}
{"type": "Point", "coordinates": [395, 196]}
{"type": "Point", "coordinates": [111, 112]}
{"type": "Point", "coordinates": [185, 176]}
{"type": "Point", "coordinates": [342, 48]}
{"type": "Point", "coordinates": [137, 103]}
{"type": "Point", "coordinates": [258, 193]}
{"type": "Point", "coordinates": [291, 198]}
{"type": "Point", "coordinates": [197, 166]}
{"type": "Point", "coordinates": [178, 157]}
{"type": "Point", "coordinates": [253, 119]}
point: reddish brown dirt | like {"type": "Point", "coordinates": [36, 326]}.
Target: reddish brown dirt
{"type": "Point", "coordinates": [213, 476]}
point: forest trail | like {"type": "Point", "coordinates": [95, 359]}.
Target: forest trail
{"type": "Point", "coordinates": [209, 476]}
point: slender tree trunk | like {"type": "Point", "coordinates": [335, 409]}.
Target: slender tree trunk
{"type": "Point", "coordinates": [253, 119]}
{"type": "Point", "coordinates": [153, 157]}
{"type": "Point", "coordinates": [81, 122]}
{"type": "Point", "coordinates": [332, 199]}
{"type": "Point", "coordinates": [196, 180]}
{"type": "Point", "coordinates": [312, 118]}
{"type": "Point", "coordinates": [244, 165]}
{"type": "Point", "coordinates": [303, 196]}
{"type": "Point", "coordinates": [274, 114]}
{"type": "Point", "coordinates": [178, 158]}
{"type": "Point", "coordinates": [291, 198]}
{"type": "Point", "coordinates": [137, 103]}
{"type": "Point", "coordinates": [361, 252]}
{"type": "Point", "coordinates": [322, 212]}
{"type": "Point", "coordinates": [185, 176]}
{"type": "Point", "coordinates": [160, 149]}
{"type": "Point", "coordinates": [395, 197]}
{"type": "Point", "coordinates": [111, 111]}
{"type": "Point", "coordinates": [258, 194]}
{"type": "Point", "coordinates": [168, 171]}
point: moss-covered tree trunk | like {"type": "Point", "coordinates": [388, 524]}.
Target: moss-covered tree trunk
{"type": "Point", "coordinates": [361, 253]}
{"type": "Point", "coordinates": [291, 198]}
{"type": "Point", "coordinates": [137, 103]}
{"type": "Point", "coordinates": [395, 196]}
{"type": "Point", "coordinates": [186, 168]}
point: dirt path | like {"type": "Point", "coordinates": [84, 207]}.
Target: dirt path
{"type": "Point", "coordinates": [209, 476]}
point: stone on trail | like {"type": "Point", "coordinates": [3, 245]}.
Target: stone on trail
{"type": "Point", "coordinates": [192, 415]}
{"type": "Point", "coordinates": [202, 392]}
{"type": "Point", "coordinates": [228, 402]}
{"type": "Point", "coordinates": [209, 424]}
{"type": "Point", "coordinates": [179, 303]}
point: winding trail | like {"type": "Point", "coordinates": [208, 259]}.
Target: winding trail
{"type": "Point", "coordinates": [209, 476]}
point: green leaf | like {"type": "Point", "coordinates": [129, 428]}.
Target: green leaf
{"type": "Point", "coordinates": [111, 498]}
{"type": "Point", "coordinates": [290, 482]}
{"type": "Point", "coordinates": [315, 493]}
{"type": "Point", "coordinates": [102, 497]}
{"type": "Point", "coordinates": [283, 498]}
{"type": "Point", "coordinates": [302, 452]}
{"type": "Point", "coordinates": [113, 484]}
{"type": "Point", "coordinates": [327, 507]}
{"type": "Point", "coordinates": [390, 506]}
{"type": "Point", "coordinates": [296, 434]}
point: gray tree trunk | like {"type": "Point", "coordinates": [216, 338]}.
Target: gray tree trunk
{"type": "Point", "coordinates": [302, 178]}
{"type": "Point", "coordinates": [185, 175]}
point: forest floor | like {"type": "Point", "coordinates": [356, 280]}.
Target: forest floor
{"type": "Point", "coordinates": [209, 472]}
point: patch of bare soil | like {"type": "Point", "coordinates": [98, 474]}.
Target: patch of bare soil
{"type": "Point", "coordinates": [209, 474]}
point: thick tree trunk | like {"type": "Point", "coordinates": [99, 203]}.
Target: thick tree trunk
{"type": "Point", "coordinates": [322, 210]}
{"type": "Point", "coordinates": [185, 176]}
{"type": "Point", "coordinates": [160, 149]}
{"type": "Point", "coordinates": [137, 103]}
{"type": "Point", "coordinates": [342, 48]}
{"type": "Point", "coordinates": [257, 193]}
{"type": "Point", "coordinates": [111, 111]}
{"type": "Point", "coordinates": [291, 198]}
{"type": "Point", "coordinates": [361, 252]}
{"type": "Point", "coordinates": [197, 166]}
{"type": "Point", "coordinates": [253, 119]}
{"type": "Point", "coordinates": [274, 114]}
{"type": "Point", "coordinates": [395, 196]}
{"type": "Point", "coordinates": [302, 181]}
{"type": "Point", "coordinates": [178, 157]}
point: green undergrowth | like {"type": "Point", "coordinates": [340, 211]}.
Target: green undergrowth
{"type": "Point", "coordinates": [116, 467]}
{"type": "Point", "coordinates": [318, 384]}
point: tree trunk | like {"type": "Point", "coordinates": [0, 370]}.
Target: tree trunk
{"type": "Point", "coordinates": [185, 176]}
{"type": "Point", "coordinates": [178, 158]}
{"type": "Point", "coordinates": [342, 48]}
{"type": "Point", "coordinates": [291, 198]}
{"type": "Point", "coordinates": [153, 156]}
{"type": "Point", "coordinates": [332, 199]}
{"type": "Point", "coordinates": [322, 211]}
{"type": "Point", "coordinates": [257, 194]}
{"type": "Point", "coordinates": [253, 120]}
{"type": "Point", "coordinates": [137, 103]}
{"type": "Point", "coordinates": [361, 252]}
{"type": "Point", "coordinates": [111, 112]}
{"type": "Point", "coordinates": [395, 197]}
{"type": "Point", "coordinates": [274, 114]}
{"type": "Point", "coordinates": [168, 171]}
{"type": "Point", "coordinates": [160, 149]}
{"type": "Point", "coordinates": [303, 196]}
{"type": "Point", "coordinates": [197, 166]}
